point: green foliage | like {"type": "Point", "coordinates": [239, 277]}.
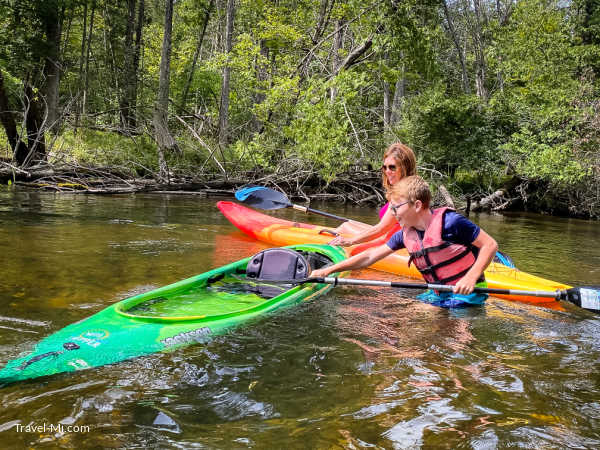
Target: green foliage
{"type": "Point", "coordinates": [539, 60]}
{"type": "Point", "coordinates": [450, 133]}
{"type": "Point", "coordinates": [587, 21]}
{"type": "Point", "coordinates": [136, 154]}
{"type": "Point", "coordinates": [412, 30]}
{"type": "Point", "coordinates": [98, 148]}
{"type": "Point", "coordinates": [538, 122]}
{"type": "Point", "coordinates": [322, 129]}
{"type": "Point", "coordinates": [539, 156]}
{"type": "Point", "coordinates": [539, 68]}
{"type": "Point", "coordinates": [5, 151]}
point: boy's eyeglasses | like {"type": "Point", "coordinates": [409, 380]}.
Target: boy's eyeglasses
{"type": "Point", "coordinates": [391, 167]}
{"type": "Point", "coordinates": [395, 208]}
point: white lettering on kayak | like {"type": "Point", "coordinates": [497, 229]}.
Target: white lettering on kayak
{"type": "Point", "coordinates": [184, 338]}
{"type": "Point", "coordinates": [78, 364]}
{"type": "Point", "coordinates": [92, 337]}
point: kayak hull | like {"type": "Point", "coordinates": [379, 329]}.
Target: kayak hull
{"type": "Point", "coordinates": [281, 232]}
{"type": "Point", "coordinates": [126, 330]}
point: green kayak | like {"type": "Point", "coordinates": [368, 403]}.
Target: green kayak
{"type": "Point", "coordinates": [180, 314]}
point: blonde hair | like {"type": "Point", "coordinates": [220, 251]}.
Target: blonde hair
{"type": "Point", "coordinates": [411, 188]}
{"type": "Point", "coordinates": [405, 159]}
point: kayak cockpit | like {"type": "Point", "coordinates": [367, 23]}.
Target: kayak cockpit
{"type": "Point", "coordinates": [230, 291]}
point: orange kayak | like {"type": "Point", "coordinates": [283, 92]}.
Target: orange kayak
{"type": "Point", "coordinates": [281, 232]}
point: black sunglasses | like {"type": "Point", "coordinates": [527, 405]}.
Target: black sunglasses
{"type": "Point", "coordinates": [391, 167]}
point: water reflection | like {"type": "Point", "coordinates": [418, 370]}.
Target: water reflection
{"type": "Point", "coordinates": [356, 368]}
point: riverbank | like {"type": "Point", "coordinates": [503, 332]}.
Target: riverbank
{"type": "Point", "coordinates": [359, 186]}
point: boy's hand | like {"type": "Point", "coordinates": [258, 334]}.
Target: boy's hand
{"type": "Point", "coordinates": [319, 273]}
{"type": "Point", "coordinates": [465, 285]}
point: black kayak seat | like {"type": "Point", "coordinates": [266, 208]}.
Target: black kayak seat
{"type": "Point", "coordinates": [278, 264]}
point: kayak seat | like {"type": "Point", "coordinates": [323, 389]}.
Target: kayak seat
{"type": "Point", "coordinates": [278, 264]}
{"type": "Point", "coordinates": [316, 260]}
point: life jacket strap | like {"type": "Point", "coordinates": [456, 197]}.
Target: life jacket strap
{"type": "Point", "coordinates": [481, 279]}
{"type": "Point", "coordinates": [433, 268]}
{"type": "Point", "coordinates": [457, 276]}
{"type": "Point", "coordinates": [425, 251]}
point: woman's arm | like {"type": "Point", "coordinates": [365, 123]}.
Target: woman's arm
{"type": "Point", "coordinates": [386, 223]}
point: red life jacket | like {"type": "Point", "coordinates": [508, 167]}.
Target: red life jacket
{"type": "Point", "coordinates": [439, 261]}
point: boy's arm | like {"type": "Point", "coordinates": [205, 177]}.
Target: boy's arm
{"type": "Point", "coordinates": [359, 261]}
{"type": "Point", "coordinates": [487, 249]}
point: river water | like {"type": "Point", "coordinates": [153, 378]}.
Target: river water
{"type": "Point", "coordinates": [356, 368]}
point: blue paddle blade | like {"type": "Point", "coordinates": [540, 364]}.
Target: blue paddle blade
{"type": "Point", "coordinates": [262, 197]}
{"type": "Point", "coordinates": [503, 258]}
{"type": "Point", "coordinates": [245, 192]}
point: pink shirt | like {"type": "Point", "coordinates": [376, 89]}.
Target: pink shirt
{"type": "Point", "coordinates": [383, 209]}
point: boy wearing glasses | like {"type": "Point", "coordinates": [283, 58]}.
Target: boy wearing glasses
{"type": "Point", "coordinates": [446, 247]}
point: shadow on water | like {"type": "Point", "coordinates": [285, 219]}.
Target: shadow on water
{"type": "Point", "coordinates": [355, 368]}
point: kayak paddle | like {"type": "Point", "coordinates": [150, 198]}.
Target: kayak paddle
{"type": "Point", "coordinates": [586, 297]}
{"type": "Point", "coordinates": [265, 198]}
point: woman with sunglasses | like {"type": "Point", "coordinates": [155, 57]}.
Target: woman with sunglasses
{"type": "Point", "coordinates": [398, 162]}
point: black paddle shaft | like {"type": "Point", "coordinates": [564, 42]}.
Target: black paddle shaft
{"type": "Point", "coordinates": [586, 297]}
{"type": "Point", "coordinates": [266, 198]}
{"type": "Point", "coordinates": [558, 294]}
{"type": "Point", "coordinates": [320, 213]}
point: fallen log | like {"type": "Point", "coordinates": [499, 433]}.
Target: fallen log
{"type": "Point", "coordinates": [446, 195]}
{"type": "Point", "coordinates": [489, 202]}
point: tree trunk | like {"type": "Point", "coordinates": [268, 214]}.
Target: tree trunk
{"type": "Point", "coordinates": [589, 11]}
{"type": "Point", "coordinates": [52, 66]}
{"type": "Point", "coordinates": [136, 65]}
{"type": "Point", "coordinates": [489, 202]}
{"type": "Point", "coordinates": [355, 54]}
{"type": "Point", "coordinates": [34, 124]}
{"type": "Point", "coordinates": [338, 39]}
{"type": "Point", "coordinates": [128, 75]}
{"type": "Point", "coordinates": [109, 49]}
{"type": "Point", "coordinates": [262, 76]}
{"type": "Point", "coordinates": [197, 53]}
{"type": "Point", "coordinates": [399, 93]}
{"type": "Point", "coordinates": [224, 105]}
{"type": "Point", "coordinates": [323, 20]}
{"type": "Point", "coordinates": [322, 23]}
{"type": "Point", "coordinates": [480, 64]}
{"type": "Point", "coordinates": [459, 50]}
{"type": "Point", "coordinates": [387, 110]}
{"type": "Point", "coordinates": [87, 61]}
{"type": "Point", "coordinates": [83, 42]}
{"type": "Point", "coordinates": [503, 18]}
{"type": "Point", "coordinates": [391, 105]}
{"type": "Point", "coordinates": [81, 62]}
{"type": "Point", "coordinates": [164, 139]}
{"type": "Point", "coordinates": [8, 121]}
